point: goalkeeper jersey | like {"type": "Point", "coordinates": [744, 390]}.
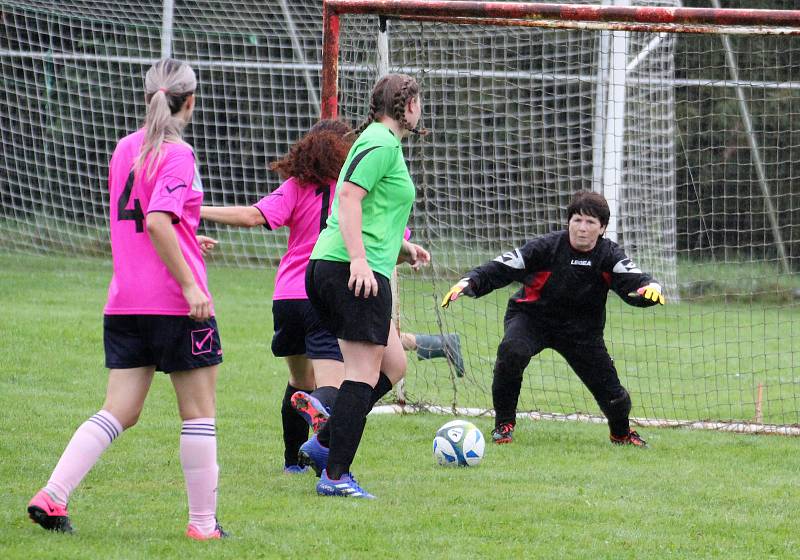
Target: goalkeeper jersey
{"type": "Point", "coordinates": [564, 289]}
{"type": "Point", "coordinates": [375, 163]}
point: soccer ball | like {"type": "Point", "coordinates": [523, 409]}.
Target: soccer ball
{"type": "Point", "coordinates": [458, 443]}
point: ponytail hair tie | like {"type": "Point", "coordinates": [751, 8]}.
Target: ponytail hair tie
{"type": "Point", "coordinates": [163, 89]}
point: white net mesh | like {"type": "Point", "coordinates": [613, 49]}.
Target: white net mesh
{"type": "Point", "coordinates": [520, 118]}
{"type": "Point", "coordinates": [72, 75]}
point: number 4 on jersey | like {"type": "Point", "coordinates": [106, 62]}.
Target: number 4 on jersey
{"type": "Point", "coordinates": [123, 213]}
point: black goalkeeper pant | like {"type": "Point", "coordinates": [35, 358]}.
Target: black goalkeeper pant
{"type": "Point", "coordinates": [525, 337]}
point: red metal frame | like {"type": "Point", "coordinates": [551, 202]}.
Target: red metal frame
{"type": "Point", "coordinates": [330, 62]}
{"type": "Point", "coordinates": [570, 12]}
{"type": "Point", "coordinates": [533, 14]}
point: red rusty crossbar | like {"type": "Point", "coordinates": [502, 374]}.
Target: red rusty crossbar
{"type": "Point", "coordinates": [608, 25]}
{"type": "Point", "coordinates": [651, 14]}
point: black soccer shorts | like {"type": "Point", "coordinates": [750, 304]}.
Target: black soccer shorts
{"type": "Point", "coordinates": [349, 317]}
{"type": "Point", "coordinates": [298, 330]}
{"type": "Point", "coordinates": [171, 343]}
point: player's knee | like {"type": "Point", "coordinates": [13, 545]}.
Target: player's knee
{"type": "Point", "coordinates": [619, 405]}
{"type": "Point", "coordinates": [402, 364]}
{"type": "Point", "coordinates": [394, 363]}
{"type": "Point", "coordinates": [513, 354]}
{"type": "Point", "coordinates": [125, 414]}
{"type": "Point", "coordinates": [395, 369]}
{"type": "Point", "coordinates": [128, 419]}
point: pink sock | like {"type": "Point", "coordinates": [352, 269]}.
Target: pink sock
{"type": "Point", "coordinates": [82, 452]}
{"type": "Point", "coordinates": [199, 462]}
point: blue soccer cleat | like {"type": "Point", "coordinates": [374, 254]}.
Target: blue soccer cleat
{"type": "Point", "coordinates": [311, 409]}
{"type": "Point", "coordinates": [313, 454]}
{"type": "Point", "coordinates": [295, 469]}
{"type": "Point", "coordinates": [346, 487]}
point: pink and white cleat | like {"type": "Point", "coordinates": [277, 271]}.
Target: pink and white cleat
{"type": "Point", "coordinates": [42, 509]}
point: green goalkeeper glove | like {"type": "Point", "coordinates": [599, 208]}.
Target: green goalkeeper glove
{"type": "Point", "coordinates": [462, 287]}
{"type": "Point", "coordinates": [651, 292]}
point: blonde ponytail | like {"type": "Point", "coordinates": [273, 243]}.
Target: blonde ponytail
{"type": "Point", "coordinates": [167, 85]}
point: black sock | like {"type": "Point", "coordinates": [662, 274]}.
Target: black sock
{"type": "Point", "coordinates": [326, 395]}
{"type": "Point", "coordinates": [382, 387]}
{"type": "Point", "coordinates": [347, 425]}
{"type": "Point", "coordinates": [295, 429]}
{"type": "Point", "coordinates": [324, 434]}
{"type": "Point", "coordinates": [619, 427]}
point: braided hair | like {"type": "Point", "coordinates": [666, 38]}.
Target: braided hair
{"type": "Point", "coordinates": [391, 94]}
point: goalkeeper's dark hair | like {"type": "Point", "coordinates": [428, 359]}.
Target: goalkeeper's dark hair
{"type": "Point", "coordinates": [589, 203]}
{"type": "Point", "coordinates": [391, 94]}
{"type": "Point", "coordinates": [167, 85]}
{"type": "Point", "coordinates": [318, 156]}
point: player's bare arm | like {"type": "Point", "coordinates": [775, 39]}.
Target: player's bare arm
{"type": "Point", "coordinates": [163, 238]}
{"type": "Point", "coordinates": [414, 255]}
{"type": "Point", "coordinates": [242, 216]}
{"type": "Point", "coordinates": [206, 244]}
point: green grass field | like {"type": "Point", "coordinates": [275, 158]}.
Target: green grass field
{"type": "Point", "coordinates": [560, 491]}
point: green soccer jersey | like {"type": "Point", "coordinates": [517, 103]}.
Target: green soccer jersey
{"type": "Point", "coordinates": [375, 163]}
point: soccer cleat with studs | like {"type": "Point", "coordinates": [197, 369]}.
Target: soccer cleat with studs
{"type": "Point", "coordinates": [345, 487]}
{"type": "Point", "coordinates": [216, 534]}
{"type": "Point", "coordinates": [295, 469]}
{"type": "Point", "coordinates": [42, 509]}
{"type": "Point", "coordinates": [313, 454]}
{"type": "Point", "coordinates": [311, 409]}
{"type": "Point", "coordinates": [504, 433]}
{"type": "Point", "coordinates": [633, 438]}
{"type": "Point", "coordinates": [452, 348]}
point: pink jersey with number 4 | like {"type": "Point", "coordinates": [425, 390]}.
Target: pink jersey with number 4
{"type": "Point", "coordinates": [141, 283]}
{"type": "Point", "coordinates": [304, 210]}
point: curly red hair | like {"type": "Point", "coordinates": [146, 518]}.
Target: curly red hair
{"type": "Point", "coordinates": [319, 155]}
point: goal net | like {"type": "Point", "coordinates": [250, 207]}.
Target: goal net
{"type": "Point", "coordinates": [693, 137]}
{"type": "Point", "coordinates": [675, 129]}
{"type": "Point", "coordinates": [71, 75]}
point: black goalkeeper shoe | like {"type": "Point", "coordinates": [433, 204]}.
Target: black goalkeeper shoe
{"type": "Point", "coordinates": [504, 433]}
{"type": "Point", "coordinates": [633, 438]}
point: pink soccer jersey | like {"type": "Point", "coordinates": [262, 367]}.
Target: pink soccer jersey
{"type": "Point", "coordinates": [304, 210]}
{"type": "Point", "coordinates": [141, 283]}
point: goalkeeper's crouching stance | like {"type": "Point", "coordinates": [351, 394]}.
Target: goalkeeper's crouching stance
{"type": "Point", "coordinates": [565, 280]}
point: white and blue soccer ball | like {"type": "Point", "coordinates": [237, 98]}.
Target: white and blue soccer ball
{"type": "Point", "coordinates": [458, 443]}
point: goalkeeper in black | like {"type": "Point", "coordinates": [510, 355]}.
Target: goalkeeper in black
{"type": "Point", "coordinates": [565, 278]}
